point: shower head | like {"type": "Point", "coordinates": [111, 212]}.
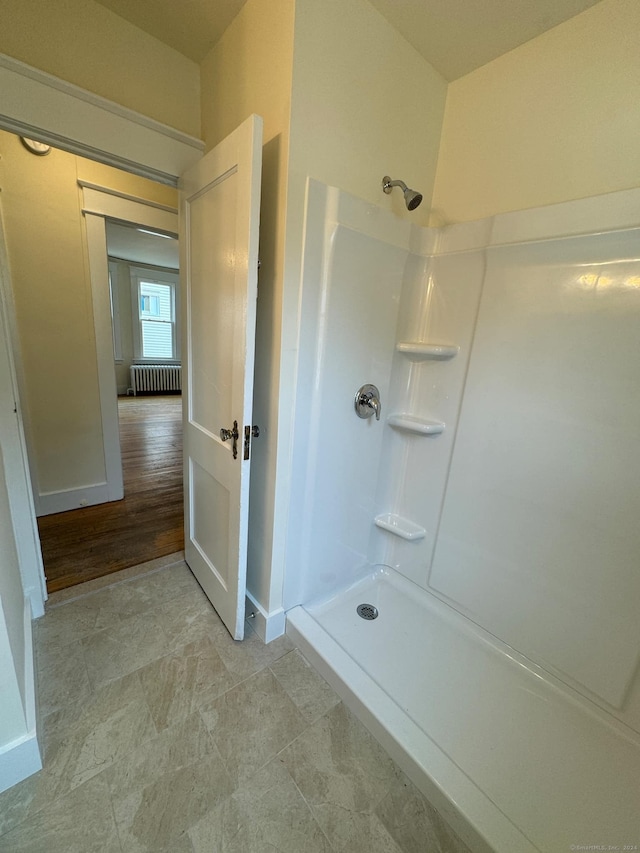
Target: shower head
{"type": "Point", "coordinates": [412, 198]}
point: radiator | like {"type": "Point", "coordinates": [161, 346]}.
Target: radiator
{"type": "Point", "coordinates": [155, 378]}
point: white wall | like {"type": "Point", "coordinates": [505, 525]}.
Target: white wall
{"type": "Point", "coordinates": [121, 282]}
{"type": "Point", "coordinates": [538, 538]}
{"type": "Point", "coordinates": [439, 304]}
{"type": "Point", "coordinates": [354, 261]}
{"type": "Point", "coordinates": [530, 517]}
{"type": "Point", "coordinates": [364, 104]}
{"type": "Point", "coordinates": [528, 501]}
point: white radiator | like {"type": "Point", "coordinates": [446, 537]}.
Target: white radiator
{"type": "Point", "coordinates": [155, 378]}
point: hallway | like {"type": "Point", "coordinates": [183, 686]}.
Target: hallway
{"type": "Point", "coordinates": [160, 733]}
{"type": "Point", "coordinates": [88, 543]}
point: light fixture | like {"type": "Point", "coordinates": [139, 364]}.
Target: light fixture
{"type": "Point", "coordinates": [155, 233]}
{"type": "Point", "coordinates": [35, 147]}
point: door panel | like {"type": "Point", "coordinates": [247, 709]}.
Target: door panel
{"type": "Point", "coordinates": [219, 218]}
{"type": "Point", "coordinates": [212, 354]}
{"type": "Point", "coordinates": [210, 523]}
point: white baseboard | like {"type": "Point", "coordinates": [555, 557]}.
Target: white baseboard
{"type": "Point", "coordinates": [21, 757]}
{"type": "Point", "coordinates": [268, 626]}
{"type": "Point", "coordinates": [18, 760]}
{"type": "Point", "coordinates": [34, 594]}
{"type": "Point", "coordinates": [29, 698]}
{"type": "Point", "coordinates": [52, 502]}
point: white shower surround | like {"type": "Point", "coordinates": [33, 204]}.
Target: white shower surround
{"type": "Point", "coordinates": [505, 684]}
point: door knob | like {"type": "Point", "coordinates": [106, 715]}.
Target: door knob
{"type": "Point", "coordinates": [228, 434]}
{"type": "Point", "coordinates": [367, 402]}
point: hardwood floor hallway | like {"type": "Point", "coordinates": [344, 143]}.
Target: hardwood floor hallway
{"type": "Point", "coordinates": [88, 543]}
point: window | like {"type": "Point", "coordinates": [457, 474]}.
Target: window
{"type": "Point", "coordinates": [155, 308]}
{"type": "Point", "coordinates": [156, 317]}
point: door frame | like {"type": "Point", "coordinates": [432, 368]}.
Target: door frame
{"type": "Point", "coordinates": [15, 450]}
{"type": "Point", "coordinates": [38, 105]}
{"type": "Point", "coordinates": [98, 205]}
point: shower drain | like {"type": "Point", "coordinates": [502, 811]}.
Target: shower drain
{"type": "Point", "coordinates": [367, 611]}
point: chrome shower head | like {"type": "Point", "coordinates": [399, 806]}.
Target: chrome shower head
{"type": "Point", "coordinates": [412, 198]}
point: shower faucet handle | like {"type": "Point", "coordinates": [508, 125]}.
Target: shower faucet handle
{"type": "Point", "coordinates": [367, 402]}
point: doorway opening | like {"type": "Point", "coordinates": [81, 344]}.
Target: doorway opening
{"type": "Point", "coordinates": [220, 205]}
{"type": "Point", "coordinates": [83, 544]}
{"type": "Point", "coordinates": [83, 536]}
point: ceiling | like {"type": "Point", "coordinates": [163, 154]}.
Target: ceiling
{"type": "Point", "coordinates": [129, 244]}
{"type": "Point", "coordinates": [458, 36]}
{"type": "Point", "coordinates": [455, 36]}
{"type": "Point", "coordinates": [191, 27]}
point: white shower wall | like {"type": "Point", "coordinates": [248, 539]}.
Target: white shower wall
{"type": "Point", "coordinates": [354, 262]}
{"type": "Point", "coordinates": [439, 305]}
{"type": "Point", "coordinates": [524, 507]}
{"type": "Point", "coordinates": [539, 538]}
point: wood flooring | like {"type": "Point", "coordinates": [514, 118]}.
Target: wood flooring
{"type": "Point", "coordinates": [88, 543]}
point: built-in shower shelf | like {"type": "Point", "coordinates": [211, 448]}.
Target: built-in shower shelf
{"type": "Point", "coordinates": [410, 423]}
{"type": "Point", "coordinates": [422, 350]}
{"type": "Point", "coordinates": [400, 526]}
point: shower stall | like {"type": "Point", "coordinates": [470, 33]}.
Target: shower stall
{"type": "Point", "coordinates": [489, 518]}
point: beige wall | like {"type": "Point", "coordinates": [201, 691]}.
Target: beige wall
{"type": "Point", "coordinates": [55, 323]}
{"type": "Point", "coordinates": [47, 256]}
{"type": "Point", "coordinates": [115, 179]}
{"type": "Point", "coordinates": [556, 119]}
{"type": "Point", "coordinates": [83, 43]}
{"type": "Point", "coordinates": [365, 104]}
{"type": "Point", "coordinates": [249, 71]}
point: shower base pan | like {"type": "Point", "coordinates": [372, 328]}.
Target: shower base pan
{"type": "Point", "coordinates": [514, 760]}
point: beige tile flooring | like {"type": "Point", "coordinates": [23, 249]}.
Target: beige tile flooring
{"type": "Point", "coordinates": [160, 733]}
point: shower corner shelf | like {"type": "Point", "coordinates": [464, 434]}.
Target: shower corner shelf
{"type": "Point", "coordinates": [419, 426]}
{"type": "Point", "coordinates": [423, 350]}
{"type": "Point", "coordinates": [400, 526]}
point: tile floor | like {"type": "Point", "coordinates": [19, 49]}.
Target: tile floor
{"type": "Point", "coordinates": [160, 733]}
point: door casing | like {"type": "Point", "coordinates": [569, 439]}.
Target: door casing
{"type": "Point", "coordinates": [99, 204]}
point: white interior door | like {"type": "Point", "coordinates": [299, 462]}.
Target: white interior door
{"type": "Point", "coordinates": [219, 222]}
